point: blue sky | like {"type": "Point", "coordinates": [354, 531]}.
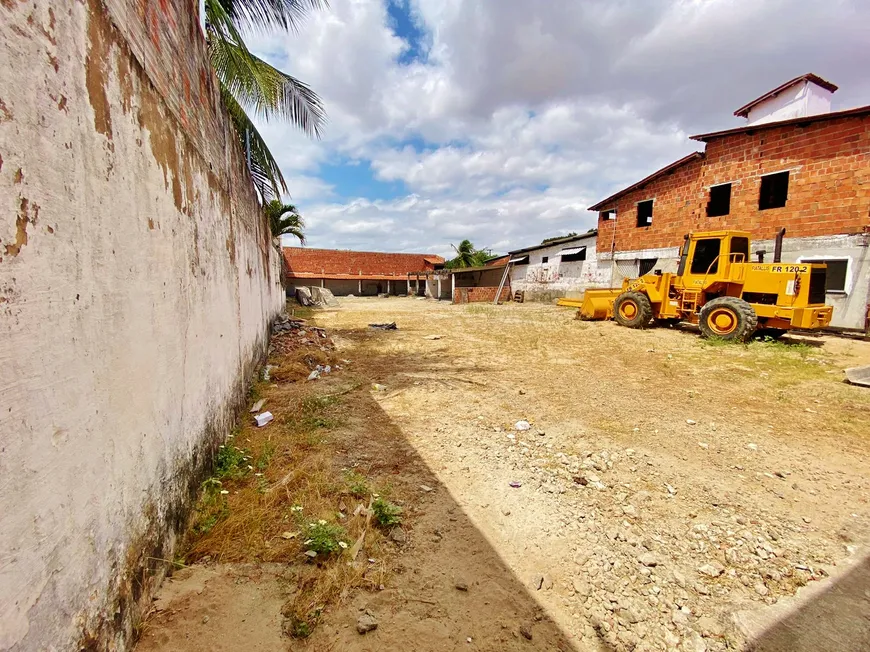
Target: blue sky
{"type": "Point", "coordinates": [503, 120]}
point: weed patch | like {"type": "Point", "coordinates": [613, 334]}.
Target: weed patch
{"type": "Point", "coordinates": [357, 485]}
{"type": "Point", "coordinates": [325, 538]}
{"type": "Point", "coordinates": [386, 513]}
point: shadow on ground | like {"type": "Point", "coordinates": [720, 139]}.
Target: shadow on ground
{"type": "Point", "coordinates": [834, 615]}
{"type": "Point", "coordinates": [447, 587]}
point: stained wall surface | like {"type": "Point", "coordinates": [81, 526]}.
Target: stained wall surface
{"type": "Point", "coordinates": [137, 281]}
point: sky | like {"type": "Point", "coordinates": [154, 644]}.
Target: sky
{"type": "Point", "coordinates": [502, 121]}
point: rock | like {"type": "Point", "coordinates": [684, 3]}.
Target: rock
{"type": "Point", "coordinates": [712, 569]}
{"type": "Point", "coordinates": [671, 640]}
{"type": "Point", "coordinates": [366, 623]}
{"type": "Point", "coordinates": [679, 617]}
{"type": "Point", "coordinates": [311, 553]}
{"type": "Point", "coordinates": [760, 588]}
{"type": "Point", "coordinates": [752, 447]}
{"type": "Point", "coordinates": [629, 615]}
{"type": "Point", "coordinates": [694, 643]}
{"type": "Point", "coordinates": [703, 445]}
{"type": "Point", "coordinates": [546, 583]}
{"type": "Point", "coordinates": [426, 488]}
{"type": "Point", "coordinates": [205, 619]}
{"type": "Point", "coordinates": [581, 588]}
{"type": "Point", "coordinates": [314, 375]}
{"type": "Point", "coordinates": [397, 535]}
{"type": "Point", "coordinates": [648, 559]}
{"type": "Point", "coordinates": [629, 510]}
{"type": "Point", "coordinates": [536, 582]}
{"type": "Point", "coordinates": [691, 422]}
{"type": "Point", "coordinates": [461, 584]}
{"type": "Point", "coordinates": [522, 425]}
{"type": "Point", "coordinates": [526, 632]}
{"type": "Point", "coordinates": [680, 579]}
{"type": "Point", "coordinates": [708, 626]}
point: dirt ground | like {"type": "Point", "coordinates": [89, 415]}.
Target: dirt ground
{"type": "Point", "coordinates": [668, 494]}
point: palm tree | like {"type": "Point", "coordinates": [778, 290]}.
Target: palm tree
{"type": "Point", "coordinates": [249, 85]}
{"type": "Point", "coordinates": [466, 255]}
{"type": "Point", "coordinates": [284, 219]}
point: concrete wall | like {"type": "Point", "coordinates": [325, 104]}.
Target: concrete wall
{"type": "Point", "coordinates": [802, 99]}
{"type": "Point", "coordinates": [137, 280]}
{"type": "Point", "coordinates": [540, 281]}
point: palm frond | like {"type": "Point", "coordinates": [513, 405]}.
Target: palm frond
{"type": "Point", "coordinates": [269, 14]}
{"type": "Point", "coordinates": [265, 90]}
{"type": "Point", "coordinates": [265, 171]}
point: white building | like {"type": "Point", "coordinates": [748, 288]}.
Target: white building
{"type": "Point", "coordinates": [565, 267]}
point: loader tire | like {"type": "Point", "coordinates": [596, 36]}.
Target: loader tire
{"type": "Point", "coordinates": [632, 309]}
{"type": "Point", "coordinates": [728, 318]}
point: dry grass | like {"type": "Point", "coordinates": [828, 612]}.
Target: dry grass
{"type": "Point", "coordinates": [272, 483]}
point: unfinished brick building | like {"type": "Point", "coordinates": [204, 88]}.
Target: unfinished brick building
{"type": "Point", "coordinates": [795, 164]}
{"type": "Point", "coordinates": [362, 273]}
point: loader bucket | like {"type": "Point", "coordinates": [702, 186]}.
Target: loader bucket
{"type": "Point", "coordinates": [598, 304]}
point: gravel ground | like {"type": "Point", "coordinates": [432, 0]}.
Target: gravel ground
{"type": "Point", "coordinates": [568, 485]}
{"type": "Point", "coordinates": [663, 484]}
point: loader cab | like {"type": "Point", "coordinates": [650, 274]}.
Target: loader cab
{"type": "Point", "coordinates": [713, 257]}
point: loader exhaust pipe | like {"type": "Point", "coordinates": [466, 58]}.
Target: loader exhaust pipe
{"type": "Point", "coordinates": [777, 247]}
{"type": "Point", "coordinates": [684, 256]}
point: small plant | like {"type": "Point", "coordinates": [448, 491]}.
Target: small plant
{"type": "Point", "coordinates": [212, 506]}
{"type": "Point", "coordinates": [386, 513]}
{"type": "Point", "coordinates": [357, 485]}
{"type": "Point", "coordinates": [231, 462]}
{"type": "Point", "coordinates": [298, 628]}
{"type": "Point", "coordinates": [265, 456]}
{"type": "Point", "coordinates": [324, 538]}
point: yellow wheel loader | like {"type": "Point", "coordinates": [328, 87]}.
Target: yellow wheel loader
{"type": "Point", "coordinates": [720, 290]}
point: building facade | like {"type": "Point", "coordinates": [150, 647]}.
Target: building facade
{"type": "Point", "coordinates": [809, 174]}
{"type": "Point", "coordinates": [361, 273]}
{"type": "Point", "coordinates": [560, 268]}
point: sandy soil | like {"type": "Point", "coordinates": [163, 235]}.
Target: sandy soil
{"type": "Point", "coordinates": [664, 485]}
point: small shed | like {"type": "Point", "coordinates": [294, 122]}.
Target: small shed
{"type": "Point", "coordinates": [478, 284]}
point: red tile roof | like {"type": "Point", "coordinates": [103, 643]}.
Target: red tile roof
{"type": "Point", "coordinates": [304, 262]}
{"type": "Point", "coordinates": [744, 110]}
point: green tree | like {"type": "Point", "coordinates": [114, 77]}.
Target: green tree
{"type": "Point", "coordinates": [467, 256]}
{"type": "Point", "coordinates": [251, 87]}
{"type": "Point", "coordinates": [558, 237]}
{"type": "Point", "coordinates": [284, 219]}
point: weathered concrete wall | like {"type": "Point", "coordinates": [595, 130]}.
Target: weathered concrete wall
{"type": "Point", "coordinates": [137, 279]}
{"type": "Point", "coordinates": [546, 281]}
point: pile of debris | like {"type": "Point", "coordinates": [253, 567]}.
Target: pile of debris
{"type": "Point", "coordinates": [315, 296]}
{"type": "Point", "coordinates": [292, 333]}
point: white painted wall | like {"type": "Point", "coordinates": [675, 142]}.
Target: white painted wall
{"type": "Point", "coordinates": [803, 99]}
{"type": "Point", "coordinates": [546, 281]}
{"type": "Point", "coordinates": [137, 281]}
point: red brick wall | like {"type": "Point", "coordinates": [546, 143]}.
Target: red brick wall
{"type": "Point", "coordinates": [828, 192]}
{"type": "Point", "coordinates": [334, 261]}
{"type": "Point", "coordinates": [477, 295]}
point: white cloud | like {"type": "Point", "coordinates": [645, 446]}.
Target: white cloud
{"type": "Point", "coordinates": [530, 112]}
